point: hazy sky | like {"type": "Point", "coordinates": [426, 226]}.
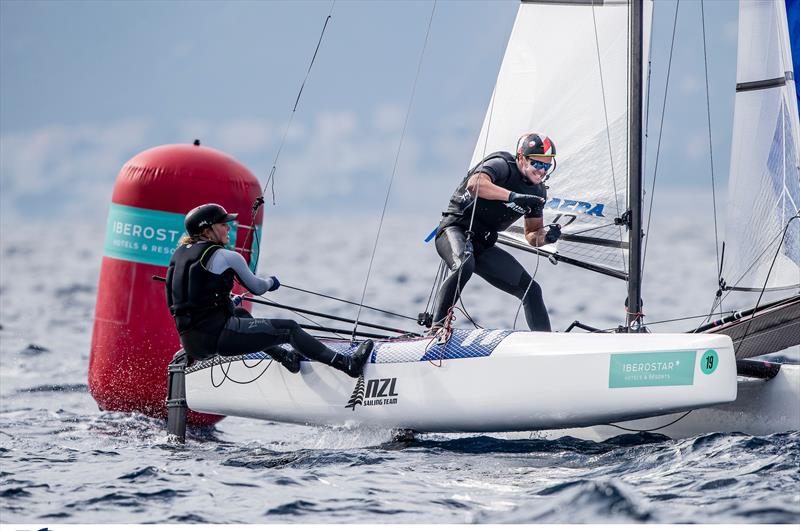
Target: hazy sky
{"type": "Point", "coordinates": [84, 86]}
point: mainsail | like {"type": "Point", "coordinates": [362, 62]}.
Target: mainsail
{"type": "Point", "coordinates": [585, 42]}
{"type": "Point", "coordinates": [762, 238]}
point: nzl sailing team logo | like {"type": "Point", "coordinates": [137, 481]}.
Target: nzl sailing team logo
{"type": "Point", "coordinates": [375, 392]}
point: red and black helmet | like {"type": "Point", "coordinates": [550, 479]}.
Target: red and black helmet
{"type": "Point", "coordinates": [535, 145]}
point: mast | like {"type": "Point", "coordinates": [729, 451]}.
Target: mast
{"type": "Point", "coordinates": [633, 319]}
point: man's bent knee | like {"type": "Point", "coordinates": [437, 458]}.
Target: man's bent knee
{"type": "Point", "coordinates": [465, 262]}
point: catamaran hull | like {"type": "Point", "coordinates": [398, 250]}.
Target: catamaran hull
{"type": "Point", "coordinates": [761, 407]}
{"type": "Point", "coordinates": [481, 381]}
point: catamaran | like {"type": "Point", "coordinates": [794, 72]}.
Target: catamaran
{"type": "Point", "coordinates": [591, 385]}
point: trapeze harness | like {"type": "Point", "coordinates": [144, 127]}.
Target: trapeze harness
{"type": "Point", "coordinates": [199, 282]}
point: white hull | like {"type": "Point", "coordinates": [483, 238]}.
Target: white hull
{"type": "Point", "coordinates": [761, 408]}
{"type": "Point", "coordinates": [483, 381]}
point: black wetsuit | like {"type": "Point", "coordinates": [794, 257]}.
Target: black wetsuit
{"type": "Point", "coordinates": [208, 322]}
{"type": "Point", "coordinates": [480, 255]}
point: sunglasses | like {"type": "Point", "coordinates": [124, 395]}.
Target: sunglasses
{"type": "Point", "coordinates": [539, 165]}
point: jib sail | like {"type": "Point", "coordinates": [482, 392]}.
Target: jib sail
{"type": "Point", "coordinates": [585, 42]}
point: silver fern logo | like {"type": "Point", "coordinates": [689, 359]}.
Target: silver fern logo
{"type": "Point", "coordinates": [357, 398]}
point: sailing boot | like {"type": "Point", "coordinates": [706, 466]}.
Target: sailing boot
{"type": "Point", "coordinates": [288, 359]}
{"type": "Point", "coordinates": [353, 365]}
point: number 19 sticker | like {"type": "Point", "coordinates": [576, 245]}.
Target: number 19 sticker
{"type": "Point", "coordinates": [709, 361]}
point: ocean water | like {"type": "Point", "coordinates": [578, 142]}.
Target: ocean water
{"type": "Point", "coordinates": [64, 461]}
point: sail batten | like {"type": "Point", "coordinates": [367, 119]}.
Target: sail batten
{"type": "Point", "coordinates": [793, 287]}
{"type": "Point", "coordinates": [598, 3]}
{"type": "Point", "coordinates": [764, 83]}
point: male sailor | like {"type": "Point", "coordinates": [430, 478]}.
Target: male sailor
{"type": "Point", "coordinates": [199, 282]}
{"type": "Point", "coordinates": [507, 187]}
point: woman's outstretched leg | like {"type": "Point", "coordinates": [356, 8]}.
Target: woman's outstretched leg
{"type": "Point", "coordinates": [287, 358]}
{"type": "Point", "coordinates": [242, 335]}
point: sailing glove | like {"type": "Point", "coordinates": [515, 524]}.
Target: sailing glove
{"type": "Point", "coordinates": [553, 234]}
{"type": "Point", "coordinates": [236, 299]}
{"type": "Point", "coordinates": [525, 200]}
{"type": "Point", "coordinates": [275, 284]}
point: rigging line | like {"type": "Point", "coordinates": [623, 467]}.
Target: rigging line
{"type": "Point", "coordinates": [590, 229]}
{"type": "Point", "coordinates": [536, 270]}
{"type": "Point", "coordinates": [608, 129]}
{"type": "Point", "coordinates": [479, 170]}
{"type": "Point", "coordinates": [296, 102]}
{"type": "Point", "coordinates": [463, 309]}
{"type": "Point", "coordinates": [433, 296]}
{"type": "Point", "coordinates": [710, 142]}
{"type": "Point", "coordinates": [647, 91]}
{"type": "Point", "coordinates": [387, 312]}
{"type": "Point", "coordinates": [244, 362]}
{"type": "Point", "coordinates": [677, 319]}
{"type": "Point", "coordinates": [394, 168]}
{"type": "Point", "coordinates": [717, 303]}
{"type": "Point", "coordinates": [648, 99]}
{"type": "Point", "coordinates": [307, 318]}
{"type": "Point", "coordinates": [660, 131]}
{"type": "Point", "coordinates": [755, 262]}
{"type": "Point", "coordinates": [226, 372]}
{"type": "Point", "coordinates": [457, 292]}
{"type": "Point", "coordinates": [766, 280]}
{"type": "Point", "coordinates": [271, 177]}
{"type": "Point", "coordinates": [720, 299]}
{"type": "Point", "coordinates": [650, 429]}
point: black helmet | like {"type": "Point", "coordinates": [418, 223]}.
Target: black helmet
{"type": "Point", "coordinates": [535, 145]}
{"type": "Point", "coordinates": [204, 216]}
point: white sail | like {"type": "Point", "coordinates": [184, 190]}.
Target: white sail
{"type": "Point", "coordinates": [764, 181]}
{"type": "Point", "coordinates": [586, 43]}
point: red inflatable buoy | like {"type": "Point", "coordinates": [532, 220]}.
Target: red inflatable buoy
{"type": "Point", "coordinates": [134, 336]}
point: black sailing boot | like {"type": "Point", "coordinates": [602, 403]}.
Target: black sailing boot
{"type": "Point", "coordinates": [288, 359]}
{"type": "Point", "coordinates": [353, 365]}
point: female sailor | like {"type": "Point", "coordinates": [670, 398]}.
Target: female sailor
{"type": "Point", "coordinates": [199, 282]}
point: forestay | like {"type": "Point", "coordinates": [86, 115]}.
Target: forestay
{"type": "Point", "coordinates": [764, 182]}
{"type": "Point", "coordinates": [564, 74]}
